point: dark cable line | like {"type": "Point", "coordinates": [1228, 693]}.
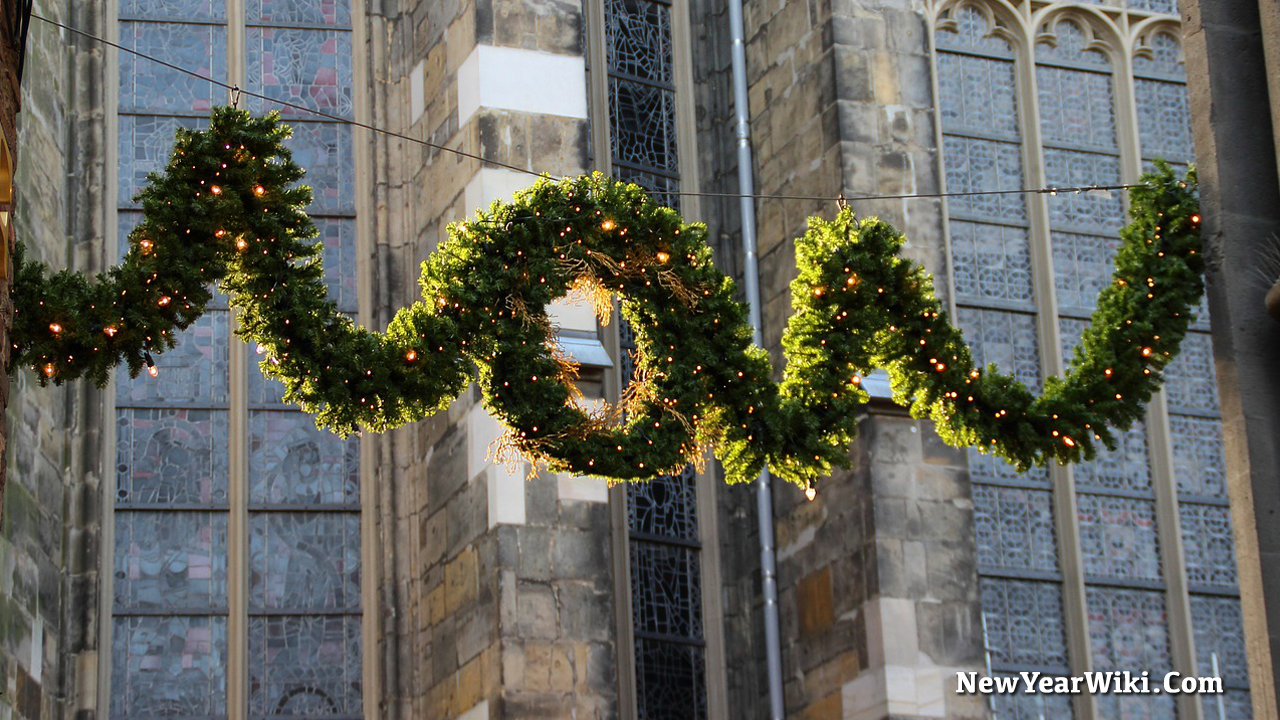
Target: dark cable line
{"type": "Point", "coordinates": [237, 90]}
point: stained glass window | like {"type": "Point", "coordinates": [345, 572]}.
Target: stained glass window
{"type": "Point", "coordinates": [663, 538]}
{"type": "Point", "coordinates": [172, 569]}
{"type": "Point", "coordinates": [986, 60]}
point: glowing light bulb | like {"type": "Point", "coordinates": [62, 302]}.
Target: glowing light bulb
{"type": "Point", "coordinates": [49, 369]}
{"type": "Point", "coordinates": [663, 257]}
{"type": "Point", "coordinates": [411, 355]}
{"type": "Point", "coordinates": [165, 300]}
{"type": "Point", "coordinates": [810, 493]}
{"type": "Point", "coordinates": [110, 330]}
{"type": "Point", "coordinates": [153, 371]}
{"type": "Point", "coordinates": [259, 191]}
{"type": "Point", "coordinates": [607, 225]}
{"type": "Point", "coordinates": [241, 244]}
{"type": "Point", "coordinates": [215, 190]}
{"type": "Point", "coordinates": [55, 327]}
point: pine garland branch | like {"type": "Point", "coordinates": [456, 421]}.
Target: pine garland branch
{"type": "Point", "coordinates": [228, 208]}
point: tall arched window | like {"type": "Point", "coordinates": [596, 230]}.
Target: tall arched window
{"type": "Point", "coordinates": [642, 129]}
{"type": "Point", "coordinates": [1124, 562]}
{"type": "Point", "coordinates": [234, 531]}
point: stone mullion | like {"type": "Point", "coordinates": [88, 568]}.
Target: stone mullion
{"type": "Point", "coordinates": [1065, 509]}
{"type": "Point", "coordinates": [238, 432]}
{"type": "Point", "coordinates": [602, 161]}
{"type": "Point", "coordinates": [370, 547]}
{"type": "Point", "coordinates": [107, 540]}
{"type": "Point", "coordinates": [1159, 435]}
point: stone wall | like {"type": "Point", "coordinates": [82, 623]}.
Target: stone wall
{"type": "Point", "coordinates": [48, 545]}
{"type": "Point", "coordinates": [497, 591]}
{"type": "Point", "coordinates": [1231, 46]}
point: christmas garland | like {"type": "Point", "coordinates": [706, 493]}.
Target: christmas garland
{"type": "Point", "coordinates": [228, 208]}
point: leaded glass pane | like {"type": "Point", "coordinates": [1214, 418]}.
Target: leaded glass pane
{"type": "Point", "coordinates": [1070, 331]}
{"type": "Point", "coordinates": [972, 32]}
{"type": "Point", "coordinates": [665, 506]}
{"type": "Point", "coordinates": [977, 94]}
{"type": "Point", "coordinates": [145, 146]}
{"type": "Point", "coordinates": [974, 165]}
{"type": "Point", "coordinates": [642, 125]}
{"type": "Point", "coordinates": [1006, 339]}
{"type": "Point", "coordinates": [146, 86]}
{"type": "Point", "coordinates": [991, 262]}
{"type": "Point", "coordinates": [1166, 7]}
{"type": "Point", "coordinates": [125, 223]}
{"type": "Point", "coordinates": [1014, 528]}
{"type": "Point", "coordinates": [174, 9]}
{"type": "Point", "coordinates": [325, 151]}
{"type": "Point", "coordinates": [1093, 211]}
{"type": "Point", "coordinates": [169, 667]}
{"type": "Point", "coordinates": [985, 468]}
{"type": "Point", "coordinates": [1165, 60]}
{"type": "Point", "coordinates": [1125, 469]}
{"type": "Point", "coordinates": [1076, 107]}
{"type": "Point", "coordinates": [1024, 623]}
{"type": "Point", "coordinates": [1236, 705]}
{"type": "Point", "coordinates": [1209, 546]}
{"type": "Point", "coordinates": [170, 561]}
{"type": "Point", "coordinates": [1128, 629]}
{"type": "Point", "coordinates": [662, 189]}
{"type": "Point", "coordinates": [304, 561]}
{"type": "Point", "coordinates": [292, 462]}
{"type": "Point", "coordinates": [1190, 382]}
{"type": "Point", "coordinates": [1082, 267]}
{"type": "Point", "coordinates": [299, 12]}
{"type": "Point", "coordinates": [1137, 707]}
{"type": "Point", "coordinates": [311, 68]}
{"type": "Point", "coordinates": [1068, 45]}
{"type": "Point", "coordinates": [666, 589]}
{"type": "Point", "coordinates": [1163, 120]}
{"type": "Point", "coordinates": [638, 39]}
{"type": "Point", "coordinates": [171, 456]}
{"type": "Point", "coordinates": [669, 680]}
{"type": "Point", "coordinates": [338, 236]}
{"type": "Point", "coordinates": [1219, 629]}
{"type": "Point", "coordinates": [1118, 537]}
{"type": "Point", "coordinates": [194, 371]}
{"type": "Point", "coordinates": [304, 666]}
{"type": "Point", "coordinates": [1028, 706]}
{"type": "Point", "coordinates": [1198, 463]}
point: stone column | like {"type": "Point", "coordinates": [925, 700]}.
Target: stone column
{"type": "Point", "coordinates": [501, 586]}
{"type": "Point", "coordinates": [1232, 122]}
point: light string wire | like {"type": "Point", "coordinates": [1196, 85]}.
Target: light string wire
{"type": "Point", "coordinates": [236, 91]}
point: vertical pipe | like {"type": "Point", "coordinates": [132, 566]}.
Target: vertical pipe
{"type": "Point", "coordinates": [751, 277]}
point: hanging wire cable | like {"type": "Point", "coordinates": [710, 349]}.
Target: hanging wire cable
{"type": "Point", "coordinates": [498, 163]}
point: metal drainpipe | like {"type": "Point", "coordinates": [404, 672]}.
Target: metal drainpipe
{"type": "Point", "coordinates": [764, 494]}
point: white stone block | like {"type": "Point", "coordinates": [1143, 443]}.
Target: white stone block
{"type": "Point", "coordinates": [521, 80]}
{"type": "Point", "coordinates": [417, 101]}
{"type": "Point", "coordinates": [586, 489]}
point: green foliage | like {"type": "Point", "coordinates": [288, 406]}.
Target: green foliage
{"type": "Point", "coordinates": [228, 209]}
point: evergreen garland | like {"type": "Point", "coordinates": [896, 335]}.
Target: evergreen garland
{"type": "Point", "coordinates": [228, 208]}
